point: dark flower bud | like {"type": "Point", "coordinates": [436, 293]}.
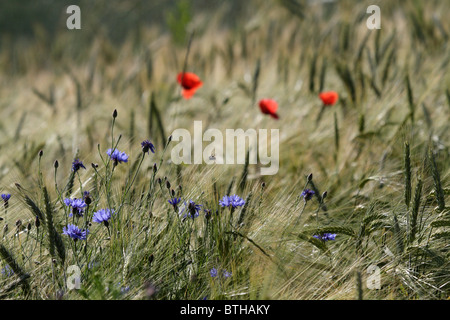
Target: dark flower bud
{"type": "Point", "coordinates": [114, 113]}
{"type": "Point", "coordinates": [94, 165]}
{"type": "Point", "coordinates": [263, 185]}
{"type": "Point", "coordinates": [168, 184]}
{"type": "Point", "coordinates": [18, 223]}
{"type": "Point", "coordinates": [151, 258]}
{"type": "Point", "coordinates": [310, 176]}
{"type": "Point", "coordinates": [155, 168]}
{"type": "Point", "coordinates": [324, 194]}
{"type": "Point", "coordinates": [29, 226]}
{"type": "Point", "coordinates": [56, 164]}
{"type": "Point", "coordinates": [37, 222]}
{"type": "Point", "coordinates": [87, 197]}
{"type": "Point", "coordinates": [41, 153]}
{"type": "Point", "coordinates": [172, 192]}
{"type": "Point", "coordinates": [170, 139]}
{"type": "Point", "coordinates": [159, 180]}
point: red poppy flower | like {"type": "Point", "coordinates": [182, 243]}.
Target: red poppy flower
{"type": "Point", "coordinates": [190, 83]}
{"type": "Point", "coordinates": [329, 97]}
{"type": "Point", "coordinates": [269, 106]}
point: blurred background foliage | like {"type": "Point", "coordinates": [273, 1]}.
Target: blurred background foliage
{"type": "Point", "coordinates": [26, 18]}
{"type": "Point", "coordinates": [30, 25]}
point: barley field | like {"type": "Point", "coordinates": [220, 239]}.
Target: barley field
{"type": "Point", "coordinates": [95, 207]}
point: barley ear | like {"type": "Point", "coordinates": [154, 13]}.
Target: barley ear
{"type": "Point", "coordinates": [9, 259]}
{"type": "Point", "coordinates": [415, 211]}
{"type": "Point", "coordinates": [437, 182]}
{"type": "Point", "coordinates": [407, 166]}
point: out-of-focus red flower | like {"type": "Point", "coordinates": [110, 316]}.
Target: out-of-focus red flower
{"type": "Point", "coordinates": [190, 83]}
{"type": "Point", "coordinates": [329, 97]}
{"type": "Point", "coordinates": [269, 106]}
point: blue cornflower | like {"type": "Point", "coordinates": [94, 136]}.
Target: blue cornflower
{"type": "Point", "coordinates": [87, 197]}
{"type": "Point", "coordinates": [102, 215]}
{"type": "Point", "coordinates": [147, 146]}
{"type": "Point", "coordinates": [208, 213]}
{"type": "Point", "coordinates": [117, 156]}
{"type": "Point", "coordinates": [6, 197]}
{"type": "Point", "coordinates": [325, 236]}
{"type": "Point", "coordinates": [124, 290]}
{"type": "Point", "coordinates": [232, 201]}
{"type": "Point", "coordinates": [77, 205]}
{"type": "Point", "coordinates": [77, 165]}
{"type": "Point", "coordinates": [213, 272]}
{"type": "Point", "coordinates": [7, 271]}
{"type": "Point", "coordinates": [226, 274]}
{"type": "Point", "coordinates": [307, 194]}
{"type": "Point", "coordinates": [190, 210]}
{"type": "Point", "coordinates": [75, 233]}
{"type": "Point", "coordinates": [174, 201]}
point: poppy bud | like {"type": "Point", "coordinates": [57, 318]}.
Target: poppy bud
{"type": "Point", "coordinates": [56, 164]}
{"type": "Point", "coordinates": [114, 113]}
